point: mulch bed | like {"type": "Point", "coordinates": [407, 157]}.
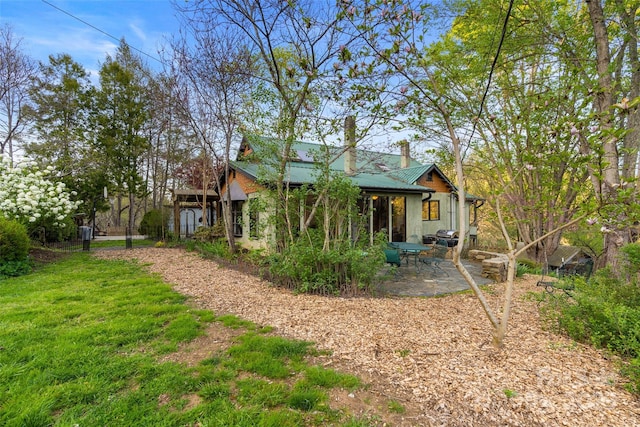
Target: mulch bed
{"type": "Point", "coordinates": [432, 355]}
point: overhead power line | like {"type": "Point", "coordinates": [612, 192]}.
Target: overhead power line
{"type": "Point", "coordinates": [101, 31]}
{"type": "Point", "coordinates": [493, 66]}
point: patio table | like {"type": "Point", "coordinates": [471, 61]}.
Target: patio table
{"type": "Point", "coordinates": [410, 250]}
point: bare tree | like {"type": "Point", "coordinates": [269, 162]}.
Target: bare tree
{"type": "Point", "coordinates": [16, 72]}
{"type": "Point", "coordinates": [294, 44]}
{"type": "Point", "coordinates": [167, 132]}
{"type": "Point", "coordinates": [216, 72]}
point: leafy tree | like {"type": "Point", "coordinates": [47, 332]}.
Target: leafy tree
{"type": "Point", "coordinates": [526, 140]}
{"type": "Point", "coordinates": [120, 113]}
{"type": "Point", "coordinates": [397, 38]}
{"type": "Point", "coordinates": [217, 71]}
{"type": "Point", "coordinates": [168, 137]}
{"type": "Point", "coordinates": [293, 44]}
{"type": "Point", "coordinates": [614, 88]}
{"type": "Point", "coordinates": [59, 95]}
{"type": "Point", "coordinates": [59, 113]}
{"type": "Point", "coordinates": [192, 172]}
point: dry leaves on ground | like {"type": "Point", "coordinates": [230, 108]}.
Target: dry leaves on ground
{"type": "Point", "coordinates": [433, 355]}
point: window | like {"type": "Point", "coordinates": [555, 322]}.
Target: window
{"type": "Point", "coordinates": [431, 210]}
{"type": "Point", "coordinates": [398, 219]}
{"type": "Point", "coordinates": [236, 217]}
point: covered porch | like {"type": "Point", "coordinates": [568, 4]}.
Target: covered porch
{"type": "Point", "coordinates": [193, 209]}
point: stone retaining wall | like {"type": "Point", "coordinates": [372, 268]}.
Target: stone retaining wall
{"type": "Point", "coordinates": [494, 265]}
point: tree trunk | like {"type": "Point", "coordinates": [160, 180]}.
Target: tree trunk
{"type": "Point", "coordinates": [615, 233]}
{"type": "Point", "coordinates": [117, 220]}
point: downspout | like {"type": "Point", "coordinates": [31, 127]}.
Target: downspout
{"type": "Point", "coordinates": [476, 206]}
{"type": "Point", "coordinates": [425, 199]}
{"type": "Point", "coordinates": [451, 213]}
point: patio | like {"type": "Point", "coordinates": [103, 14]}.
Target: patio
{"type": "Point", "coordinates": [408, 281]}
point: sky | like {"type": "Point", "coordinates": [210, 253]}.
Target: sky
{"type": "Point", "coordinates": [88, 30]}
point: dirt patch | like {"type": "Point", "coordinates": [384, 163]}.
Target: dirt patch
{"type": "Point", "coordinates": [42, 256]}
{"type": "Point", "coordinates": [216, 339]}
{"type": "Point", "coordinates": [433, 356]}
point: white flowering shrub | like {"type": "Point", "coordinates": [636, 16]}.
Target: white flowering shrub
{"type": "Point", "coordinates": [29, 197]}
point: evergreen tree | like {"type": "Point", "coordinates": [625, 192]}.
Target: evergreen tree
{"type": "Point", "coordinates": [120, 113]}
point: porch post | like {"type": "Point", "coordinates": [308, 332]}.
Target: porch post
{"type": "Point", "coordinates": [390, 218]}
{"type": "Point", "coordinates": [176, 217]}
{"type": "Point", "coordinates": [370, 221]}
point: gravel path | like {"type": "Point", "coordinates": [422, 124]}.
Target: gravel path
{"type": "Point", "coordinates": [434, 355]}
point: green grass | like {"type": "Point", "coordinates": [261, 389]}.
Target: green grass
{"type": "Point", "coordinates": [81, 340]}
{"type": "Point", "coordinates": [395, 406]}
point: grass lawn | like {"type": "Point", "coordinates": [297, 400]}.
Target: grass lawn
{"type": "Point", "coordinates": [82, 340]}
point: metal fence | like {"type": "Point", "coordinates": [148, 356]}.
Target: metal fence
{"type": "Point", "coordinates": [80, 240]}
{"type": "Point", "coordinates": [84, 238]}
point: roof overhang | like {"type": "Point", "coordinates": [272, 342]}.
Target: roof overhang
{"type": "Point", "coordinates": [191, 195]}
{"type": "Point", "coordinates": [236, 192]}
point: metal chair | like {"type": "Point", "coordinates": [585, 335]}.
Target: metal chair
{"type": "Point", "coordinates": [437, 256]}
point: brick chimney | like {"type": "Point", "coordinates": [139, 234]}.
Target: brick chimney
{"type": "Point", "coordinates": [350, 145]}
{"type": "Point", "coordinates": [405, 154]}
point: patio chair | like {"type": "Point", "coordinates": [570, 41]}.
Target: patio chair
{"type": "Point", "coordinates": [436, 256]}
{"type": "Point", "coordinates": [393, 256]}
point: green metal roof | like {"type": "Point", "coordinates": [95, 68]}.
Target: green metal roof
{"type": "Point", "coordinates": [299, 173]}
{"type": "Point", "coordinates": [411, 174]}
{"type": "Point", "coordinates": [366, 160]}
{"type": "Point", "coordinates": [375, 171]}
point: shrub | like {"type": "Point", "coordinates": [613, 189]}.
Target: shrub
{"type": "Point", "coordinates": [526, 266]}
{"type": "Point", "coordinates": [209, 234]}
{"type": "Point", "coordinates": [631, 261]}
{"type": "Point", "coordinates": [58, 231]}
{"type": "Point", "coordinates": [154, 224]}
{"type": "Point", "coordinates": [14, 241]}
{"type": "Point", "coordinates": [604, 312]}
{"type": "Point", "coordinates": [49, 202]}
{"type": "Point", "coordinates": [218, 249]}
{"type": "Point", "coordinates": [14, 249]}
{"type": "Point", "coordinates": [14, 268]}
{"type": "Point", "coordinates": [345, 268]}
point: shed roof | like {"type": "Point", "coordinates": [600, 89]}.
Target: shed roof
{"type": "Point", "coordinates": [563, 255]}
{"type": "Point", "coordinates": [189, 194]}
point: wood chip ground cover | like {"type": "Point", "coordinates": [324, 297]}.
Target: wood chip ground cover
{"type": "Point", "coordinates": [432, 355]}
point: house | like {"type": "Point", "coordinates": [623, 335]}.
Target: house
{"type": "Point", "coordinates": [440, 207]}
{"type": "Point", "coordinates": [406, 199]}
